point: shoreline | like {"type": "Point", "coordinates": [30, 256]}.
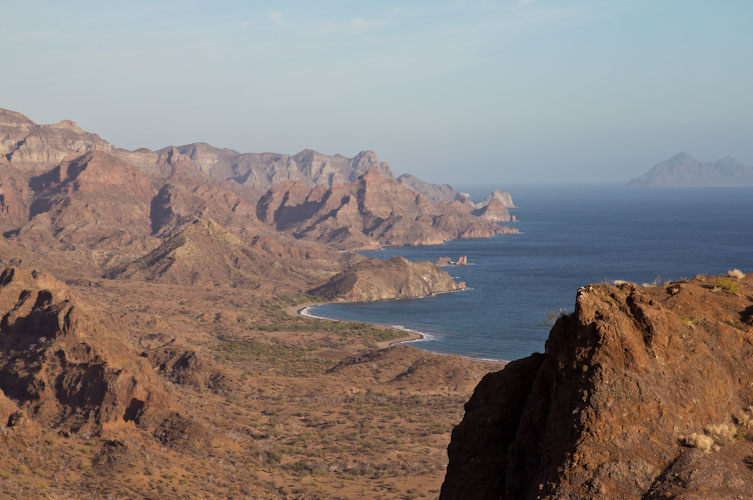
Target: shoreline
{"type": "Point", "coordinates": [411, 336]}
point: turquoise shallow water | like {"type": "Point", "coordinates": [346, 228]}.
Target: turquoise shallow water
{"type": "Point", "coordinates": [570, 236]}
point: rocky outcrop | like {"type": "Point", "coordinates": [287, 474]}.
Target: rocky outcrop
{"type": "Point", "coordinates": [368, 213]}
{"type": "Point", "coordinates": [443, 261]}
{"type": "Point", "coordinates": [495, 210]}
{"type": "Point", "coordinates": [386, 279]}
{"type": "Point", "coordinates": [63, 366]}
{"type": "Point", "coordinates": [503, 197]}
{"type": "Point", "coordinates": [640, 394]}
{"type": "Point", "coordinates": [682, 170]}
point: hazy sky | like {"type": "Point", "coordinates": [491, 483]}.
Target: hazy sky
{"type": "Point", "coordinates": [460, 92]}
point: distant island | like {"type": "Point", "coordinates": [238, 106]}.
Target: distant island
{"type": "Point", "coordinates": [682, 170]}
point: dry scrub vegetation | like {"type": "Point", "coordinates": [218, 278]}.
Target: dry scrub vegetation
{"type": "Point", "coordinates": [286, 407]}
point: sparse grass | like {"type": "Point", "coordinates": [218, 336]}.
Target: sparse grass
{"type": "Point", "coordinates": [282, 359]}
{"type": "Point", "coordinates": [735, 324]}
{"type": "Point", "coordinates": [552, 316]}
{"type": "Point", "coordinates": [690, 321]}
{"type": "Point", "coordinates": [728, 285]}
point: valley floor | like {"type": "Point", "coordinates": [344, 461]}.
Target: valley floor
{"type": "Point", "coordinates": [285, 406]}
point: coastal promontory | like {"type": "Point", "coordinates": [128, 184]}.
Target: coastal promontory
{"type": "Point", "coordinates": [375, 279]}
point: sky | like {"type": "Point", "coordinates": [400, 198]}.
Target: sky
{"type": "Point", "coordinates": [474, 92]}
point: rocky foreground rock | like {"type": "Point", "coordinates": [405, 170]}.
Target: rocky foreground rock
{"type": "Point", "coordinates": [63, 364]}
{"type": "Point", "coordinates": [642, 393]}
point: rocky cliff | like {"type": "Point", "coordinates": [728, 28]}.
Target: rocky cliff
{"type": "Point", "coordinates": [26, 145]}
{"type": "Point", "coordinates": [375, 279]}
{"type": "Point", "coordinates": [642, 393]}
{"type": "Point", "coordinates": [370, 212]}
{"type": "Point", "coordinates": [62, 365]}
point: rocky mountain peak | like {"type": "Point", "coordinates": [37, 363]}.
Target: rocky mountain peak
{"type": "Point", "coordinates": [10, 118]}
{"type": "Point", "coordinates": [682, 170]}
{"type": "Point", "coordinates": [67, 125]}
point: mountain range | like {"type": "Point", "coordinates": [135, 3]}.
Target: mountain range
{"type": "Point", "coordinates": [69, 198]}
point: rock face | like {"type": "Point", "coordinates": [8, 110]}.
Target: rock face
{"type": "Point", "coordinates": [443, 261]}
{"type": "Point", "coordinates": [433, 192]}
{"type": "Point", "coordinates": [368, 213]}
{"type": "Point", "coordinates": [494, 210]}
{"type": "Point", "coordinates": [62, 367]}
{"type": "Point", "coordinates": [378, 280]}
{"type": "Point", "coordinates": [626, 378]}
{"type": "Point", "coordinates": [27, 145]}
{"type": "Point", "coordinates": [504, 198]}
{"type": "Point", "coordinates": [682, 170]}
{"type": "Point", "coordinates": [263, 170]}
{"type": "Point", "coordinates": [95, 204]}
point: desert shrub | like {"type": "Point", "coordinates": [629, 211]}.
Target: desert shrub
{"type": "Point", "coordinates": [700, 441]}
{"type": "Point", "coordinates": [721, 433]}
{"type": "Point", "coordinates": [690, 321]}
{"type": "Point", "coordinates": [729, 285]}
{"type": "Point", "coordinates": [552, 316]}
{"type": "Point", "coordinates": [735, 273]}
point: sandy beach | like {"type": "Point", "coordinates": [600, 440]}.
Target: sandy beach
{"type": "Point", "coordinates": [409, 335]}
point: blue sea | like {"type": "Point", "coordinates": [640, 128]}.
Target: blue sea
{"type": "Point", "coordinates": [570, 236]}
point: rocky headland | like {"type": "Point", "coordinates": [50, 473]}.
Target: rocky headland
{"type": "Point", "coordinates": [395, 278]}
{"type": "Point", "coordinates": [642, 393]}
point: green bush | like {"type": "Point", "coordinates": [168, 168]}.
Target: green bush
{"type": "Point", "coordinates": [729, 285]}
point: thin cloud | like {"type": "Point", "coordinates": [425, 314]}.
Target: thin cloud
{"type": "Point", "coordinates": [277, 18]}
